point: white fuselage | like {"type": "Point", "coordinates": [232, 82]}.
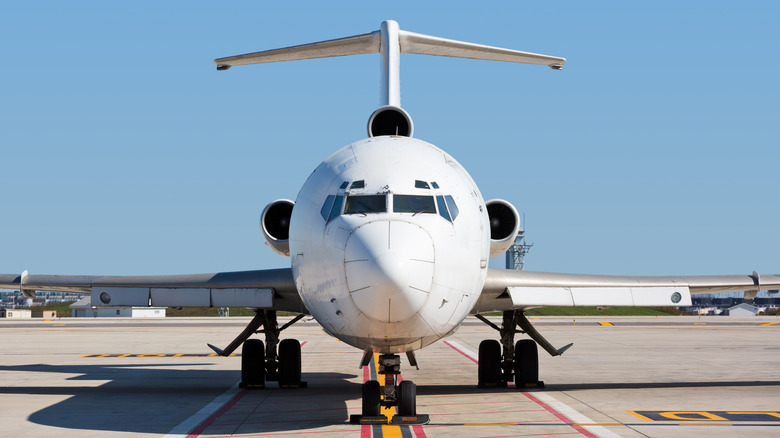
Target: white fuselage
{"type": "Point", "coordinates": [377, 257]}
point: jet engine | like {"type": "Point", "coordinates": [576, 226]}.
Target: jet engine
{"type": "Point", "coordinates": [275, 223]}
{"type": "Point", "coordinates": [504, 225]}
{"type": "Point", "coordinates": [390, 120]}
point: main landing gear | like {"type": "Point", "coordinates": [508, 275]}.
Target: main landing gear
{"type": "Point", "coordinates": [518, 361]}
{"type": "Point", "coordinates": [260, 361]}
{"type": "Point", "coordinates": [375, 396]}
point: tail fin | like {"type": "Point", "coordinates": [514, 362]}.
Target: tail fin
{"type": "Point", "coordinates": [390, 41]}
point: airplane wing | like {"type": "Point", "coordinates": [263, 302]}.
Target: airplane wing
{"type": "Point", "coordinates": [263, 289]}
{"type": "Point", "coordinates": [507, 289]}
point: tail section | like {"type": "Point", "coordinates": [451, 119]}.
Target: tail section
{"type": "Point", "coordinates": [390, 41]}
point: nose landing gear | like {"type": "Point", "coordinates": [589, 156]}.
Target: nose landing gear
{"type": "Point", "coordinates": [403, 396]}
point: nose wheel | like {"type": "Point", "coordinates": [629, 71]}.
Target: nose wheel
{"type": "Point", "coordinates": [401, 396]}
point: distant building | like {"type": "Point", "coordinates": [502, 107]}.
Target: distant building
{"type": "Point", "coordinates": [743, 309]}
{"type": "Point", "coordinates": [15, 313]}
{"type": "Point", "coordinates": [83, 308]}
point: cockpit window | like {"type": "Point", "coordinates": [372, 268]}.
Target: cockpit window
{"type": "Point", "coordinates": [442, 208]}
{"type": "Point", "coordinates": [327, 207]}
{"type": "Point", "coordinates": [435, 186]}
{"type": "Point", "coordinates": [358, 184]}
{"type": "Point", "coordinates": [365, 204]}
{"type": "Point", "coordinates": [452, 207]}
{"type": "Point", "coordinates": [420, 184]}
{"type": "Point", "coordinates": [413, 204]}
{"type": "Point", "coordinates": [344, 185]}
{"type": "Point", "coordinates": [336, 211]}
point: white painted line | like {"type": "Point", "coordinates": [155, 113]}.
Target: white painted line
{"type": "Point", "coordinates": [464, 350]}
{"type": "Point", "coordinates": [184, 428]}
{"type": "Point", "coordinates": [575, 416]}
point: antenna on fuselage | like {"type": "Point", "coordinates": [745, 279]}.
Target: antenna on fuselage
{"type": "Point", "coordinates": [390, 41]}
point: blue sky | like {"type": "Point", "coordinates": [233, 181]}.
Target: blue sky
{"type": "Point", "coordinates": [123, 151]}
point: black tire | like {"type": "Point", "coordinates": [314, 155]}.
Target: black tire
{"type": "Point", "coordinates": [407, 399]}
{"type": "Point", "coordinates": [526, 363]}
{"type": "Point", "coordinates": [253, 363]}
{"type": "Point", "coordinates": [371, 399]}
{"type": "Point", "coordinates": [489, 367]}
{"type": "Point", "coordinates": [289, 363]}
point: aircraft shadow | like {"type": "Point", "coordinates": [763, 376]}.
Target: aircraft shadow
{"type": "Point", "coordinates": [423, 390]}
{"type": "Point", "coordinates": [154, 398]}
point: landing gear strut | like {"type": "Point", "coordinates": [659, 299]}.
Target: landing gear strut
{"type": "Point", "coordinates": [260, 361]}
{"type": "Point", "coordinates": [375, 396]}
{"type": "Point", "coordinates": [501, 363]}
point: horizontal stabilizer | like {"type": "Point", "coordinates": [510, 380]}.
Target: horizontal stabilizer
{"type": "Point", "coordinates": [354, 45]}
{"type": "Point", "coordinates": [410, 42]}
{"type": "Point", "coordinates": [429, 45]}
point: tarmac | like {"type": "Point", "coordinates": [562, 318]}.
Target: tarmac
{"type": "Point", "coordinates": [640, 376]}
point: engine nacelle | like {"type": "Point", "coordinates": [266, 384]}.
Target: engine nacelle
{"type": "Point", "coordinates": [504, 225]}
{"type": "Point", "coordinates": [390, 120]}
{"type": "Point", "coordinates": [275, 223]}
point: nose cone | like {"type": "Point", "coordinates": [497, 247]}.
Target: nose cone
{"type": "Point", "coordinates": [389, 269]}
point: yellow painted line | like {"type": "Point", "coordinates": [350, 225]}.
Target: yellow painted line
{"type": "Point", "coordinates": [768, 324]}
{"type": "Point", "coordinates": [58, 325]}
{"type": "Point", "coordinates": [773, 414]}
{"type": "Point", "coordinates": [124, 355]}
{"type": "Point", "coordinates": [699, 323]}
{"type": "Point", "coordinates": [639, 415]}
{"type": "Point", "coordinates": [704, 424]}
{"type": "Point", "coordinates": [388, 431]}
{"type": "Point", "coordinates": [606, 323]}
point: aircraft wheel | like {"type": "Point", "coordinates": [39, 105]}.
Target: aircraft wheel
{"type": "Point", "coordinates": [371, 399]}
{"type": "Point", "coordinates": [526, 363]}
{"type": "Point", "coordinates": [489, 367]}
{"type": "Point", "coordinates": [289, 363]}
{"type": "Point", "coordinates": [407, 399]}
{"type": "Point", "coordinates": [253, 363]}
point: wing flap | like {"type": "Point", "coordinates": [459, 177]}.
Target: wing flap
{"type": "Point", "coordinates": [509, 289]}
{"type": "Point", "coordinates": [599, 296]}
{"type": "Point", "coordinates": [269, 289]}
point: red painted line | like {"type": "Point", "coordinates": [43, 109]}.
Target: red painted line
{"type": "Point", "coordinates": [461, 352]}
{"type": "Point", "coordinates": [418, 431]}
{"type": "Point", "coordinates": [365, 429]}
{"type": "Point", "coordinates": [199, 430]}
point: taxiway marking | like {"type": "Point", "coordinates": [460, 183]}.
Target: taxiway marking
{"type": "Point", "coordinates": [708, 416]}
{"type": "Point", "coordinates": [560, 410]}
{"type": "Point", "coordinates": [201, 420]}
{"type": "Point", "coordinates": [146, 355]}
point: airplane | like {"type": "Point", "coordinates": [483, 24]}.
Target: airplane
{"type": "Point", "coordinates": [389, 240]}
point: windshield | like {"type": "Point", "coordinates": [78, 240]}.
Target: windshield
{"type": "Point", "coordinates": [413, 204]}
{"type": "Point", "coordinates": [365, 204]}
